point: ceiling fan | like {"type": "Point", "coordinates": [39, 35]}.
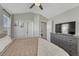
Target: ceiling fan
{"type": "Point", "coordinates": [37, 4]}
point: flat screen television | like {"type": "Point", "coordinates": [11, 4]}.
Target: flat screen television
{"type": "Point", "coordinates": [66, 28]}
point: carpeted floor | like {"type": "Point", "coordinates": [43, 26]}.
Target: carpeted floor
{"type": "Point", "coordinates": [22, 47]}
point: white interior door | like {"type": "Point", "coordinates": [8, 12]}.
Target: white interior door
{"type": "Point", "coordinates": [20, 29]}
{"type": "Point", "coordinates": [44, 30]}
{"type": "Point", "coordinates": [21, 33]}
{"type": "Point", "coordinates": [30, 29]}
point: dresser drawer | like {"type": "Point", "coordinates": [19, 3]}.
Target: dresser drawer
{"type": "Point", "coordinates": [67, 42]}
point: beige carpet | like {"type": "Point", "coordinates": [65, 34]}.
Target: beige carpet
{"type": "Point", "coordinates": [22, 47]}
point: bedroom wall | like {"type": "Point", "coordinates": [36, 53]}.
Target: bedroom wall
{"type": "Point", "coordinates": [68, 16]}
{"type": "Point", "coordinates": [1, 20]}
{"type": "Point", "coordinates": [49, 29]}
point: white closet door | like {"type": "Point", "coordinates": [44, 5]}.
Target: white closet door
{"type": "Point", "coordinates": [16, 29]}
{"type": "Point", "coordinates": [21, 29]}
{"type": "Point", "coordinates": [30, 29]}
{"type": "Point", "coordinates": [26, 29]}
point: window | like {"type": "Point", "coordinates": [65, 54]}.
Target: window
{"type": "Point", "coordinates": [6, 24]}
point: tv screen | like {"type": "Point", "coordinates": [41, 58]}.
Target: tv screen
{"type": "Point", "coordinates": [65, 28]}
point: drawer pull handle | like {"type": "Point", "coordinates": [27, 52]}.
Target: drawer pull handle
{"type": "Point", "coordinates": [70, 45]}
{"type": "Point", "coordinates": [70, 40]}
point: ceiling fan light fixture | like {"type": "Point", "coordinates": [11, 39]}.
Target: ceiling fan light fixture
{"type": "Point", "coordinates": [37, 4]}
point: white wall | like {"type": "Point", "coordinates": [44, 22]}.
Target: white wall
{"type": "Point", "coordinates": [49, 29]}
{"type": "Point", "coordinates": [68, 16]}
{"type": "Point", "coordinates": [1, 12]}
{"type": "Point", "coordinates": [36, 27]}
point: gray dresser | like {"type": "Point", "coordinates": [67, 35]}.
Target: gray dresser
{"type": "Point", "coordinates": [67, 42]}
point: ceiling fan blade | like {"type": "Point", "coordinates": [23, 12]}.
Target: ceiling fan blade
{"type": "Point", "coordinates": [32, 5]}
{"type": "Point", "coordinates": [41, 7]}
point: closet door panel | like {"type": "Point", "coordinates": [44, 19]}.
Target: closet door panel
{"type": "Point", "coordinates": [30, 29]}
{"type": "Point", "coordinates": [26, 29]}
